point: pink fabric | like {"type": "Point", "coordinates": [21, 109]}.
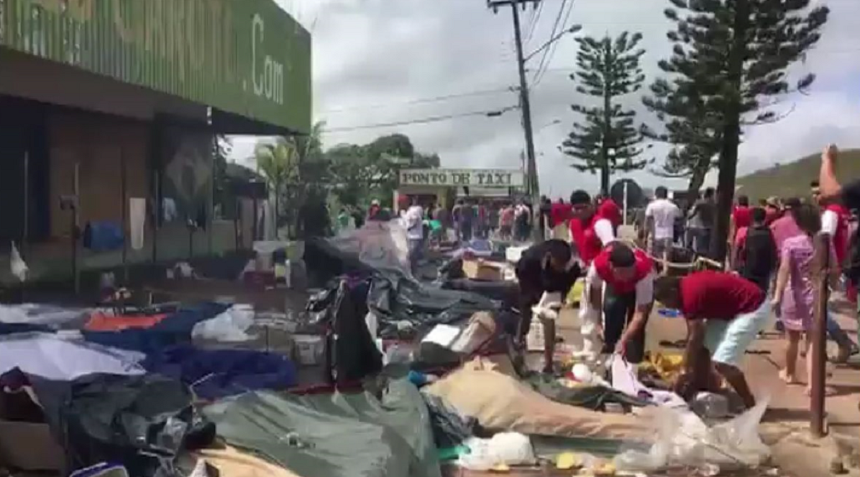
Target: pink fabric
{"type": "Point", "coordinates": [783, 229]}
{"type": "Point", "coordinates": [796, 311]}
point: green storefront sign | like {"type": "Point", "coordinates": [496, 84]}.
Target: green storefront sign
{"type": "Point", "coordinates": [247, 57]}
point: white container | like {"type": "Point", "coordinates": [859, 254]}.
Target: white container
{"type": "Point", "coordinates": [535, 338]}
{"type": "Point", "coordinates": [309, 349]}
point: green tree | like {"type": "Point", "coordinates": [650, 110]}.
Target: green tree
{"type": "Point", "coordinates": [607, 139]}
{"type": "Point", "coordinates": [278, 162]}
{"type": "Point", "coordinates": [727, 70]}
{"type": "Point", "coordinates": [221, 148]}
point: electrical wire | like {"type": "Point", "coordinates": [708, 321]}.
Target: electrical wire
{"type": "Point", "coordinates": [552, 34]}
{"type": "Point", "coordinates": [534, 22]}
{"type": "Point", "coordinates": [552, 48]}
{"type": "Point", "coordinates": [435, 99]}
{"type": "Point", "coordinates": [431, 119]}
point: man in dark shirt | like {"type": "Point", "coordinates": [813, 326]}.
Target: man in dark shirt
{"type": "Point", "coordinates": [757, 256]}
{"type": "Point", "coordinates": [548, 267]}
{"type": "Point", "coordinates": [702, 222]}
{"type": "Point", "coordinates": [724, 314]}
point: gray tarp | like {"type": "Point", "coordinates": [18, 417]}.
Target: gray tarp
{"type": "Point", "coordinates": [334, 435]}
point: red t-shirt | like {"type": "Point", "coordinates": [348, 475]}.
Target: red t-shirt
{"type": "Point", "coordinates": [643, 267]}
{"type": "Point", "coordinates": [560, 213]}
{"type": "Point", "coordinates": [718, 295]}
{"type": "Point", "coordinates": [608, 209]}
{"type": "Point", "coordinates": [742, 216]}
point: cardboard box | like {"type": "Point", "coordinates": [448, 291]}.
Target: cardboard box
{"type": "Point", "coordinates": [28, 446]}
{"type": "Point", "coordinates": [479, 269]}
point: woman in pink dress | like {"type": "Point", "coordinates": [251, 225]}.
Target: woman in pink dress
{"type": "Point", "coordinates": [793, 296]}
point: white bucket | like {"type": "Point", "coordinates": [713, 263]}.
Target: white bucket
{"type": "Point", "coordinates": [309, 349]}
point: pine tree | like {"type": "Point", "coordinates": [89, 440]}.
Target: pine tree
{"type": "Point", "coordinates": [728, 70]}
{"type": "Point", "coordinates": [608, 139]}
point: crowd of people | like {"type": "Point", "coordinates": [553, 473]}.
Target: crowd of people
{"type": "Point", "coordinates": [769, 271]}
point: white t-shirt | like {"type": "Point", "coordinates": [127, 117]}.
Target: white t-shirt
{"type": "Point", "coordinates": [414, 222]}
{"type": "Point", "coordinates": [664, 213]}
{"type": "Point", "coordinates": [644, 287]}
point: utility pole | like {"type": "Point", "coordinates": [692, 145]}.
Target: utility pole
{"type": "Point", "coordinates": [533, 187]}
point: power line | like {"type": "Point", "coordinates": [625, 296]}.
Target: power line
{"type": "Point", "coordinates": [552, 34]}
{"type": "Point", "coordinates": [431, 119]}
{"type": "Point", "coordinates": [552, 48]}
{"type": "Point", "coordinates": [435, 99]}
{"type": "Point", "coordinates": [535, 22]}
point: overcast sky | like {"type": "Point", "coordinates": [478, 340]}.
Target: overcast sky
{"type": "Point", "coordinates": [380, 61]}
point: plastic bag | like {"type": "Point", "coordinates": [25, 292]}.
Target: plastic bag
{"type": "Point", "coordinates": [17, 265]}
{"type": "Point", "coordinates": [685, 440]}
{"type": "Point", "coordinates": [508, 448]}
{"type": "Point", "coordinates": [230, 326]}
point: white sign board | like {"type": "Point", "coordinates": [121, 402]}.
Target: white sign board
{"type": "Point", "coordinates": [462, 177]}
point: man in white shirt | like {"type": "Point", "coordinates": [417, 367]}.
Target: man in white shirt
{"type": "Point", "coordinates": [660, 216]}
{"type": "Point", "coordinates": [413, 221]}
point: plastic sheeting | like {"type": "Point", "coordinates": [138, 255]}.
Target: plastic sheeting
{"type": "Point", "coordinates": [338, 435]}
{"type": "Point", "coordinates": [51, 357]}
{"type": "Point", "coordinates": [214, 374]}
{"type": "Point", "coordinates": [34, 314]}
{"type": "Point", "coordinates": [450, 428]}
{"type": "Point", "coordinates": [381, 245]}
{"type": "Point", "coordinates": [230, 326]}
{"type": "Point", "coordinates": [173, 330]}
{"type": "Point", "coordinates": [141, 422]}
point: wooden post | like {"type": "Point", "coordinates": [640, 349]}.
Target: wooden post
{"type": "Point", "coordinates": [76, 226]}
{"type": "Point", "coordinates": [819, 335]}
{"type": "Point", "coordinates": [25, 234]}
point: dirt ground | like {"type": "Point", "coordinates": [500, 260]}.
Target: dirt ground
{"type": "Point", "coordinates": [786, 425]}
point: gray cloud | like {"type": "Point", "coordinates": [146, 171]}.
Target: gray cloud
{"type": "Point", "coordinates": [389, 52]}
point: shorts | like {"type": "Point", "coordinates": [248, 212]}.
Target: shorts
{"type": "Point", "coordinates": [659, 246]}
{"type": "Point", "coordinates": [728, 340]}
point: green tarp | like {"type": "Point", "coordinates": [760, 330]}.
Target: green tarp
{"type": "Point", "coordinates": [334, 435]}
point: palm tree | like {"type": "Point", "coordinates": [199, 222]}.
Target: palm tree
{"type": "Point", "coordinates": [275, 160]}
{"type": "Point", "coordinates": [286, 162]}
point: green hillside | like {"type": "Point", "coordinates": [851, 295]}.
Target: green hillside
{"type": "Point", "coordinates": [792, 179]}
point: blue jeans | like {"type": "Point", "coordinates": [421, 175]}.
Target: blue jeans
{"type": "Point", "coordinates": [838, 335]}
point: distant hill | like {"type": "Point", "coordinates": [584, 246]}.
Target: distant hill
{"type": "Point", "coordinates": [792, 179]}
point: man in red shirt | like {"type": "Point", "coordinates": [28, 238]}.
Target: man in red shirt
{"type": "Point", "coordinates": [724, 314]}
{"type": "Point", "coordinates": [590, 231]}
{"type": "Point", "coordinates": [559, 216]}
{"type": "Point", "coordinates": [629, 279]}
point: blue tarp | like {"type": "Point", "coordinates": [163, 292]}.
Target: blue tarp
{"type": "Point", "coordinates": [103, 236]}
{"type": "Point", "coordinates": [214, 374]}
{"type": "Point", "coordinates": [173, 330]}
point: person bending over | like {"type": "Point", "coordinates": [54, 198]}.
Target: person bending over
{"type": "Point", "coordinates": [548, 267]}
{"type": "Point", "coordinates": [724, 314]}
{"type": "Point", "coordinates": [628, 299]}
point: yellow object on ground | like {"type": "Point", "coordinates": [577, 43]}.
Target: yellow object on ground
{"type": "Point", "coordinates": [568, 461]}
{"type": "Point", "coordinates": [575, 292]}
{"type": "Point", "coordinates": [667, 365]}
{"type": "Point", "coordinates": [501, 469]}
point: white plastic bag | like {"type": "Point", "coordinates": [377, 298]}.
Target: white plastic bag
{"type": "Point", "coordinates": [509, 448]}
{"type": "Point", "coordinates": [685, 440]}
{"type": "Point", "coordinates": [17, 265]}
{"type": "Point", "coordinates": [230, 326]}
